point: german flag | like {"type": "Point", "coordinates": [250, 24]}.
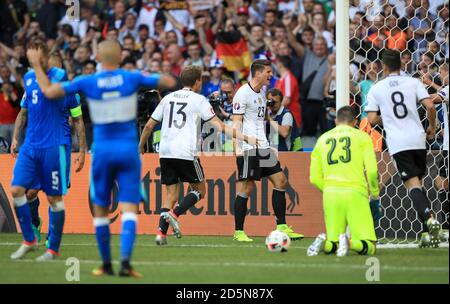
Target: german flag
{"type": "Point", "coordinates": [232, 49]}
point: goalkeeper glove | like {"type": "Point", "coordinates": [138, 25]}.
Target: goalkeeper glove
{"type": "Point", "coordinates": [375, 208]}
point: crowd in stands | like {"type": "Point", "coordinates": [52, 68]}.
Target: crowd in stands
{"type": "Point", "coordinates": [298, 36]}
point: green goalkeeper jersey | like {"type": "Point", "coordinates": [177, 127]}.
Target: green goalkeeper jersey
{"type": "Point", "coordinates": [343, 158]}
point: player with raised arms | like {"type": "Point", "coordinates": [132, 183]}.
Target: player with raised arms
{"type": "Point", "coordinates": [112, 99]}
{"type": "Point", "coordinates": [73, 110]}
{"type": "Point", "coordinates": [44, 159]}
{"type": "Point", "coordinates": [340, 163]}
{"type": "Point", "coordinates": [181, 113]}
{"type": "Point", "coordinates": [397, 99]}
{"type": "Point", "coordinates": [249, 113]}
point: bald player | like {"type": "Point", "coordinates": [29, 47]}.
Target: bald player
{"type": "Point", "coordinates": [112, 99]}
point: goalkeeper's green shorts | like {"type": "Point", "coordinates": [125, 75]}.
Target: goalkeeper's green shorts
{"type": "Point", "coordinates": [347, 207]}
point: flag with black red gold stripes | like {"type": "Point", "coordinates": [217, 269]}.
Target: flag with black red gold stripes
{"type": "Point", "coordinates": [232, 49]}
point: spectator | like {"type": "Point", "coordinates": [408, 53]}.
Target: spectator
{"type": "Point", "coordinates": [318, 24]}
{"type": "Point", "coordinates": [9, 108]}
{"type": "Point", "coordinates": [142, 35]}
{"type": "Point", "coordinates": [194, 55]}
{"type": "Point", "coordinates": [373, 70]}
{"type": "Point", "coordinates": [14, 19]}
{"type": "Point", "coordinates": [288, 85]}
{"type": "Point", "coordinates": [174, 56]}
{"type": "Point", "coordinates": [213, 84]}
{"type": "Point", "coordinates": [149, 48]}
{"type": "Point", "coordinates": [408, 64]}
{"type": "Point", "coordinates": [117, 19]}
{"type": "Point", "coordinates": [312, 86]}
{"type": "Point", "coordinates": [129, 27]}
{"type": "Point", "coordinates": [82, 55]}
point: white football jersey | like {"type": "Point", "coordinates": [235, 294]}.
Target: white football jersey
{"type": "Point", "coordinates": [181, 113]}
{"type": "Point", "coordinates": [444, 95]}
{"type": "Point", "coordinates": [252, 105]}
{"type": "Point", "coordinates": [397, 98]}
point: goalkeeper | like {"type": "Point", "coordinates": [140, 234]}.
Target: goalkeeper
{"type": "Point", "coordinates": [343, 163]}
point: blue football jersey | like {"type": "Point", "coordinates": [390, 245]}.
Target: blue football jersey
{"type": "Point", "coordinates": [48, 120]}
{"type": "Point", "coordinates": [112, 99]}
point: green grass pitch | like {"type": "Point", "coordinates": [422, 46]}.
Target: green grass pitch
{"type": "Point", "coordinates": [195, 259]}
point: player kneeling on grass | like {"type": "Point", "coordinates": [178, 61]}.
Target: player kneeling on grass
{"type": "Point", "coordinates": [338, 163]}
{"type": "Point", "coordinates": [181, 113]}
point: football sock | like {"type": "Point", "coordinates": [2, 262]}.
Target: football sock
{"type": "Point", "coordinates": [56, 222]}
{"type": "Point", "coordinates": [34, 208]}
{"type": "Point", "coordinates": [443, 198]}
{"type": "Point", "coordinates": [240, 211]}
{"type": "Point", "coordinates": [421, 204]}
{"type": "Point", "coordinates": [189, 200]}
{"type": "Point", "coordinates": [103, 237]}
{"type": "Point", "coordinates": [128, 235]}
{"type": "Point", "coordinates": [330, 247]}
{"type": "Point", "coordinates": [23, 214]}
{"type": "Point", "coordinates": [362, 247]}
{"type": "Point", "coordinates": [163, 224]}
{"type": "Point", "coordinates": [279, 205]}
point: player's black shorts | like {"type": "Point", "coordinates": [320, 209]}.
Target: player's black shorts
{"type": "Point", "coordinates": [257, 163]}
{"type": "Point", "coordinates": [411, 163]}
{"type": "Point", "coordinates": [174, 170]}
{"type": "Point", "coordinates": [443, 165]}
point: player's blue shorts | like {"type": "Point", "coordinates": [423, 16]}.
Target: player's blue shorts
{"type": "Point", "coordinates": [116, 163]}
{"type": "Point", "coordinates": [47, 169]}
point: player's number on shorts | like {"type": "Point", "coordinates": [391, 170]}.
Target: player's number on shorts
{"type": "Point", "coordinates": [400, 109]}
{"type": "Point", "coordinates": [180, 111]}
{"type": "Point", "coordinates": [55, 180]}
{"type": "Point", "coordinates": [346, 142]}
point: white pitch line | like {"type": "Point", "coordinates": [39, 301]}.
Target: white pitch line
{"type": "Point", "coordinates": [170, 245]}
{"type": "Point", "coordinates": [254, 264]}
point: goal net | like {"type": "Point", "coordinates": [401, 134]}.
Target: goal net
{"type": "Point", "coordinates": [419, 29]}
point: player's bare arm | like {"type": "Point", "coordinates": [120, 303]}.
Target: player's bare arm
{"type": "Point", "coordinates": [78, 125]}
{"type": "Point", "coordinates": [52, 91]}
{"type": "Point", "coordinates": [233, 132]}
{"type": "Point", "coordinates": [21, 120]}
{"type": "Point", "coordinates": [166, 82]}
{"type": "Point", "coordinates": [431, 115]}
{"type": "Point", "coordinates": [148, 129]}
{"type": "Point", "coordinates": [374, 118]}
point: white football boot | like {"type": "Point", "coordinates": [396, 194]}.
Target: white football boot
{"type": "Point", "coordinates": [173, 221]}
{"type": "Point", "coordinates": [317, 246]}
{"type": "Point", "coordinates": [343, 246]}
{"type": "Point", "coordinates": [23, 250]}
{"type": "Point", "coordinates": [434, 228]}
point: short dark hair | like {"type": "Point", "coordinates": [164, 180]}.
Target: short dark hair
{"type": "Point", "coordinates": [128, 60]}
{"type": "Point", "coordinates": [259, 65]}
{"type": "Point", "coordinates": [143, 27]}
{"type": "Point", "coordinates": [190, 75]}
{"type": "Point", "coordinates": [228, 80]}
{"type": "Point", "coordinates": [90, 61]}
{"type": "Point", "coordinates": [38, 43]}
{"type": "Point", "coordinates": [274, 92]}
{"type": "Point", "coordinates": [285, 61]}
{"type": "Point", "coordinates": [391, 59]}
{"type": "Point", "coordinates": [430, 55]}
{"type": "Point", "coordinates": [346, 114]}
